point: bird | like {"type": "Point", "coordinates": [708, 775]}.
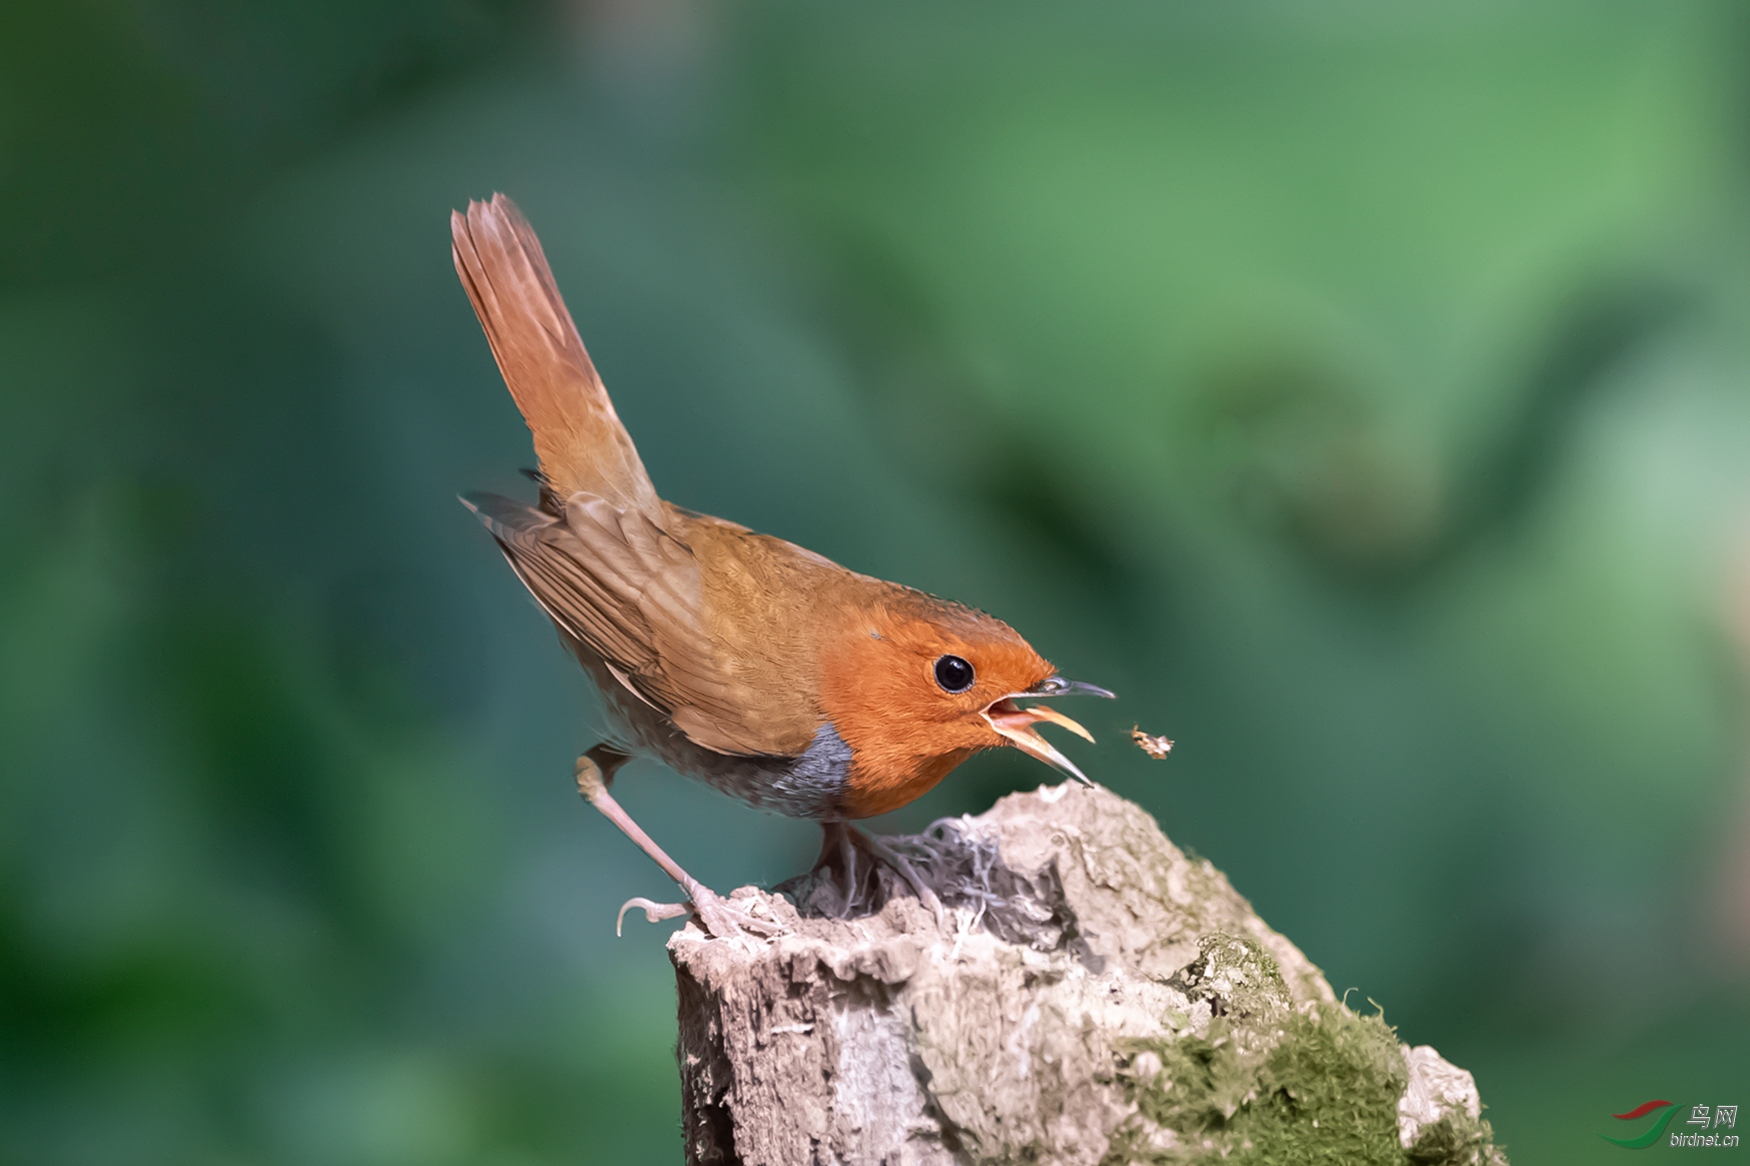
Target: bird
{"type": "Point", "coordinates": [763, 669]}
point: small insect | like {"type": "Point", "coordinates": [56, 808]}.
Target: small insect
{"type": "Point", "coordinates": [1156, 747]}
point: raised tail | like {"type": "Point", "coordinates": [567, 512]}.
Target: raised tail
{"type": "Point", "coordinates": [578, 436]}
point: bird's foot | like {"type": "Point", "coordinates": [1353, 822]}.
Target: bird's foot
{"type": "Point", "coordinates": [719, 917]}
{"type": "Point", "coordinates": [653, 912]}
{"type": "Point", "coordinates": [723, 919]}
{"type": "Point", "coordinates": [861, 890]}
{"type": "Point", "coordinates": [884, 852]}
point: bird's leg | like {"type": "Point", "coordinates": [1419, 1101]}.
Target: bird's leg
{"type": "Point", "coordinates": [595, 769]}
{"type": "Point", "coordinates": [836, 849]}
{"type": "Point", "coordinates": [843, 841]}
{"type": "Point", "coordinates": [883, 851]}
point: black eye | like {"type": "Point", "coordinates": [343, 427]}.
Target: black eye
{"type": "Point", "coordinates": [953, 673]}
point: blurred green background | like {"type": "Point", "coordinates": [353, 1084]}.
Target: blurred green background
{"type": "Point", "coordinates": [1359, 389]}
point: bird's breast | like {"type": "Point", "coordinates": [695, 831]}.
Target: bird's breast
{"type": "Point", "coordinates": [878, 785]}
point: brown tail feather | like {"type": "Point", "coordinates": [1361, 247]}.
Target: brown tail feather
{"type": "Point", "coordinates": [578, 437]}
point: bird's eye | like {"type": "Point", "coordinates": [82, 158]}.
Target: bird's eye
{"type": "Point", "coordinates": [953, 674]}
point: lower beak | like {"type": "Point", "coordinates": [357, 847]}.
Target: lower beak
{"type": "Point", "coordinates": [1016, 724]}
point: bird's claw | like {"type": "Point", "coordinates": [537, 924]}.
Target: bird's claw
{"type": "Point", "coordinates": [719, 918]}
{"type": "Point", "coordinates": [653, 912]}
{"type": "Point", "coordinates": [842, 845]}
{"type": "Point", "coordinates": [926, 894]}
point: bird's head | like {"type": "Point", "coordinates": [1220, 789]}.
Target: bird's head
{"type": "Point", "coordinates": [916, 685]}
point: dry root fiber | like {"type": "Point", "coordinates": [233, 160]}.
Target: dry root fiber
{"type": "Point", "coordinates": [1086, 995]}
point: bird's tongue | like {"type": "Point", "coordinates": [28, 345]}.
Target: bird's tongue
{"type": "Point", "coordinates": [1017, 723]}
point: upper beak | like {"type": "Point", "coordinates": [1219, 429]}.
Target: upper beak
{"type": "Point", "coordinates": [1058, 686]}
{"type": "Point", "coordinates": [1016, 723]}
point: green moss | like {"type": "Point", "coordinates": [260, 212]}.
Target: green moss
{"type": "Point", "coordinates": [1263, 1084]}
{"type": "Point", "coordinates": [1328, 1093]}
{"type": "Point", "coordinates": [1202, 1083]}
{"type": "Point", "coordinates": [1456, 1140]}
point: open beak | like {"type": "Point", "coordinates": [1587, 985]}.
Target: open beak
{"type": "Point", "coordinates": [1016, 723]}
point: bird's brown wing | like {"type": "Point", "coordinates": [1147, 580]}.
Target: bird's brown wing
{"type": "Point", "coordinates": [617, 582]}
{"type": "Point", "coordinates": [578, 436]}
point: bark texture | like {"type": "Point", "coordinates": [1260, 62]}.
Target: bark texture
{"type": "Point", "coordinates": [1087, 995]}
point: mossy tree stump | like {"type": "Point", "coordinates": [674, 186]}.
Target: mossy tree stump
{"type": "Point", "coordinates": [1087, 995]}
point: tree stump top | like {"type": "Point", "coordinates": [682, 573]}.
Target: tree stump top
{"type": "Point", "coordinates": [1087, 995]}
